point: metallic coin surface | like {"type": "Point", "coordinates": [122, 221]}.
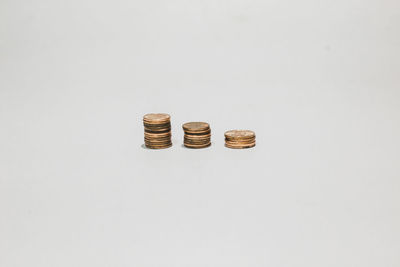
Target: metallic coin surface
{"type": "Point", "coordinates": [154, 118]}
{"type": "Point", "coordinates": [240, 139]}
{"type": "Point", "coordinates": [196, 134]}
{"type": "Point", "coordinates": [197, 146]}
{"type": "Point", "coordinates": [158, 147]}
{"type": "Point", "coordinates": [157, 130]}
{"type": "Point", "coordinates": [196, 126]}
{"type": "Point", "coordinates": [161, 131]}
{"type": "Point", "coordinates": [155, 135]}
{"type": "Point", "coordinates": [196, 142]}
{"type": "Point", "coordinates": [197, 138]}
{"type": "Point", "coordinates": [239, 134]}
{"type": "Point", "coordinates": [241, 147]}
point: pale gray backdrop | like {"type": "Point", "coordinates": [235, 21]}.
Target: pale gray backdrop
{"type": "Point", "coordinates": [318, 81]}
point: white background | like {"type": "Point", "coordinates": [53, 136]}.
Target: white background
{"type": "Point", "coordinates": [318, 81]}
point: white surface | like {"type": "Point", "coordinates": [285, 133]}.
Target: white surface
{"type": "Point", "coordinates": [318, 81]}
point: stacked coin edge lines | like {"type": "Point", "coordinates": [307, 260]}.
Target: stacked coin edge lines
{"type": "Point", "coordinates": [157, 130]}
{"type": "Point", "coordinates": [157, 134]}
{"type": "Point", "coordinates": [196, 135]}
{"type": "Point", "coordinates": [239, 139]}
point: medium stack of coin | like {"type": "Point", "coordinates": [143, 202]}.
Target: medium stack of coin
{"type": "Point", "coordinates": [240, 139]}
{"type": "Point", "coordinates": [197, 134]}
{"type": "Point", "coordinates": [157, 130]}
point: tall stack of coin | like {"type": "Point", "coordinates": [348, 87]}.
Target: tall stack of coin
{"type": "Point", "coordinates": [240, 139]}
{"type": "Point", "coordinates": [197, 134]}
{"type": "Point", "coordinates": [157, 130]}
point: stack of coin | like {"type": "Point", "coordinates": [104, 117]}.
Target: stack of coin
{"type": "Point", "coordinates": [240, 139]}
{"type": "Point", "coordinates": [157, 130]}
{"type": "Point", "coordinates": [197, 134]}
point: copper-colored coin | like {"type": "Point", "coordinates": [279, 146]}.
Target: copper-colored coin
{"type": "Point", "coordinates": [240, 138]}
{"type": "Point", "coordinates": [166, 139]}
{"type": "Point", "coordinates": [157, 134]}
{"type": "Point", "coordinates": [197, 136]}
{"type": "Point", "coordinates": [152, 125]}
{"type": "Point", "coordinates": [150, 137]}
{"type": "Point", "coordinates": [239, 134]}
{"type": "Point", "coordinates": [197, 146]}
{"type": "Point", "coordinates": [196, 142]}
{"type": "Point", "coordinates": [195, 127]}
{"type": "Point", "coordinates": [156, 118]}
{"type": "Point", "coordinates": [158, 147]}
{"type": "Point", "coordinates": [197, 139]}
{"type": "Point", "coordinates": [157, 141]}
{"type": "Point", "coordinates": [198, 133]}
{"type": "Point", "coordinates": [159, 129]}
{"type": "Point", "coordinates": [240, 146]}
{"type": "Point", "coordinates": [240, 141]}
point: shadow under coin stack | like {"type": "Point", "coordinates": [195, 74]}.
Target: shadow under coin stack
{"type": "Point", "coordinates": [197, 134]}
{"type": "Point", "coordinates": [240, 139]}
{"type": "Point", "coordinates": [157, 130]}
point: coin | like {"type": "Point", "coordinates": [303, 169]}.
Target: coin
{"type": "Point", "coordinates": [240, 139]}
{"type": "Point", "coordinates": [157, 130]}
{"type": "Point", "coordinates": [196, 134]}
{"type": "Point", "coordinates": [196, 143]}
{"type": "Point", "coordinates": [239, 134]}
{"type": "Point", "coordinates": [197, 146]}
{"type": "Point", "coordinates": [241, 147]}
{"type": "Point", "coordinates": [195, 126]}
{"type": "Point", "coordinates": [156, 118]}
{"type": "Point", "coordinates": [159, 147]}
{"type": "Point", "coordinates": [196, 137]}
{"type": "Point", "coordinates": [155, 135]}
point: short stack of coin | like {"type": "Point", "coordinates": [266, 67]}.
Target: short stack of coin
{"type": "Point", "coordinates": [197, 134]}
{"type": "Point", "coordinates": [157, 130]}
{"type": "Point", "coordinates": [240, 139]}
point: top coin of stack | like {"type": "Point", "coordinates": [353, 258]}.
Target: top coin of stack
{"type": "Point", "coordinates": [197, 134]}
{"type": "Point", "coordinates": [157, 130]}
{"type": "Point", "coordinates": [240, 139]}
